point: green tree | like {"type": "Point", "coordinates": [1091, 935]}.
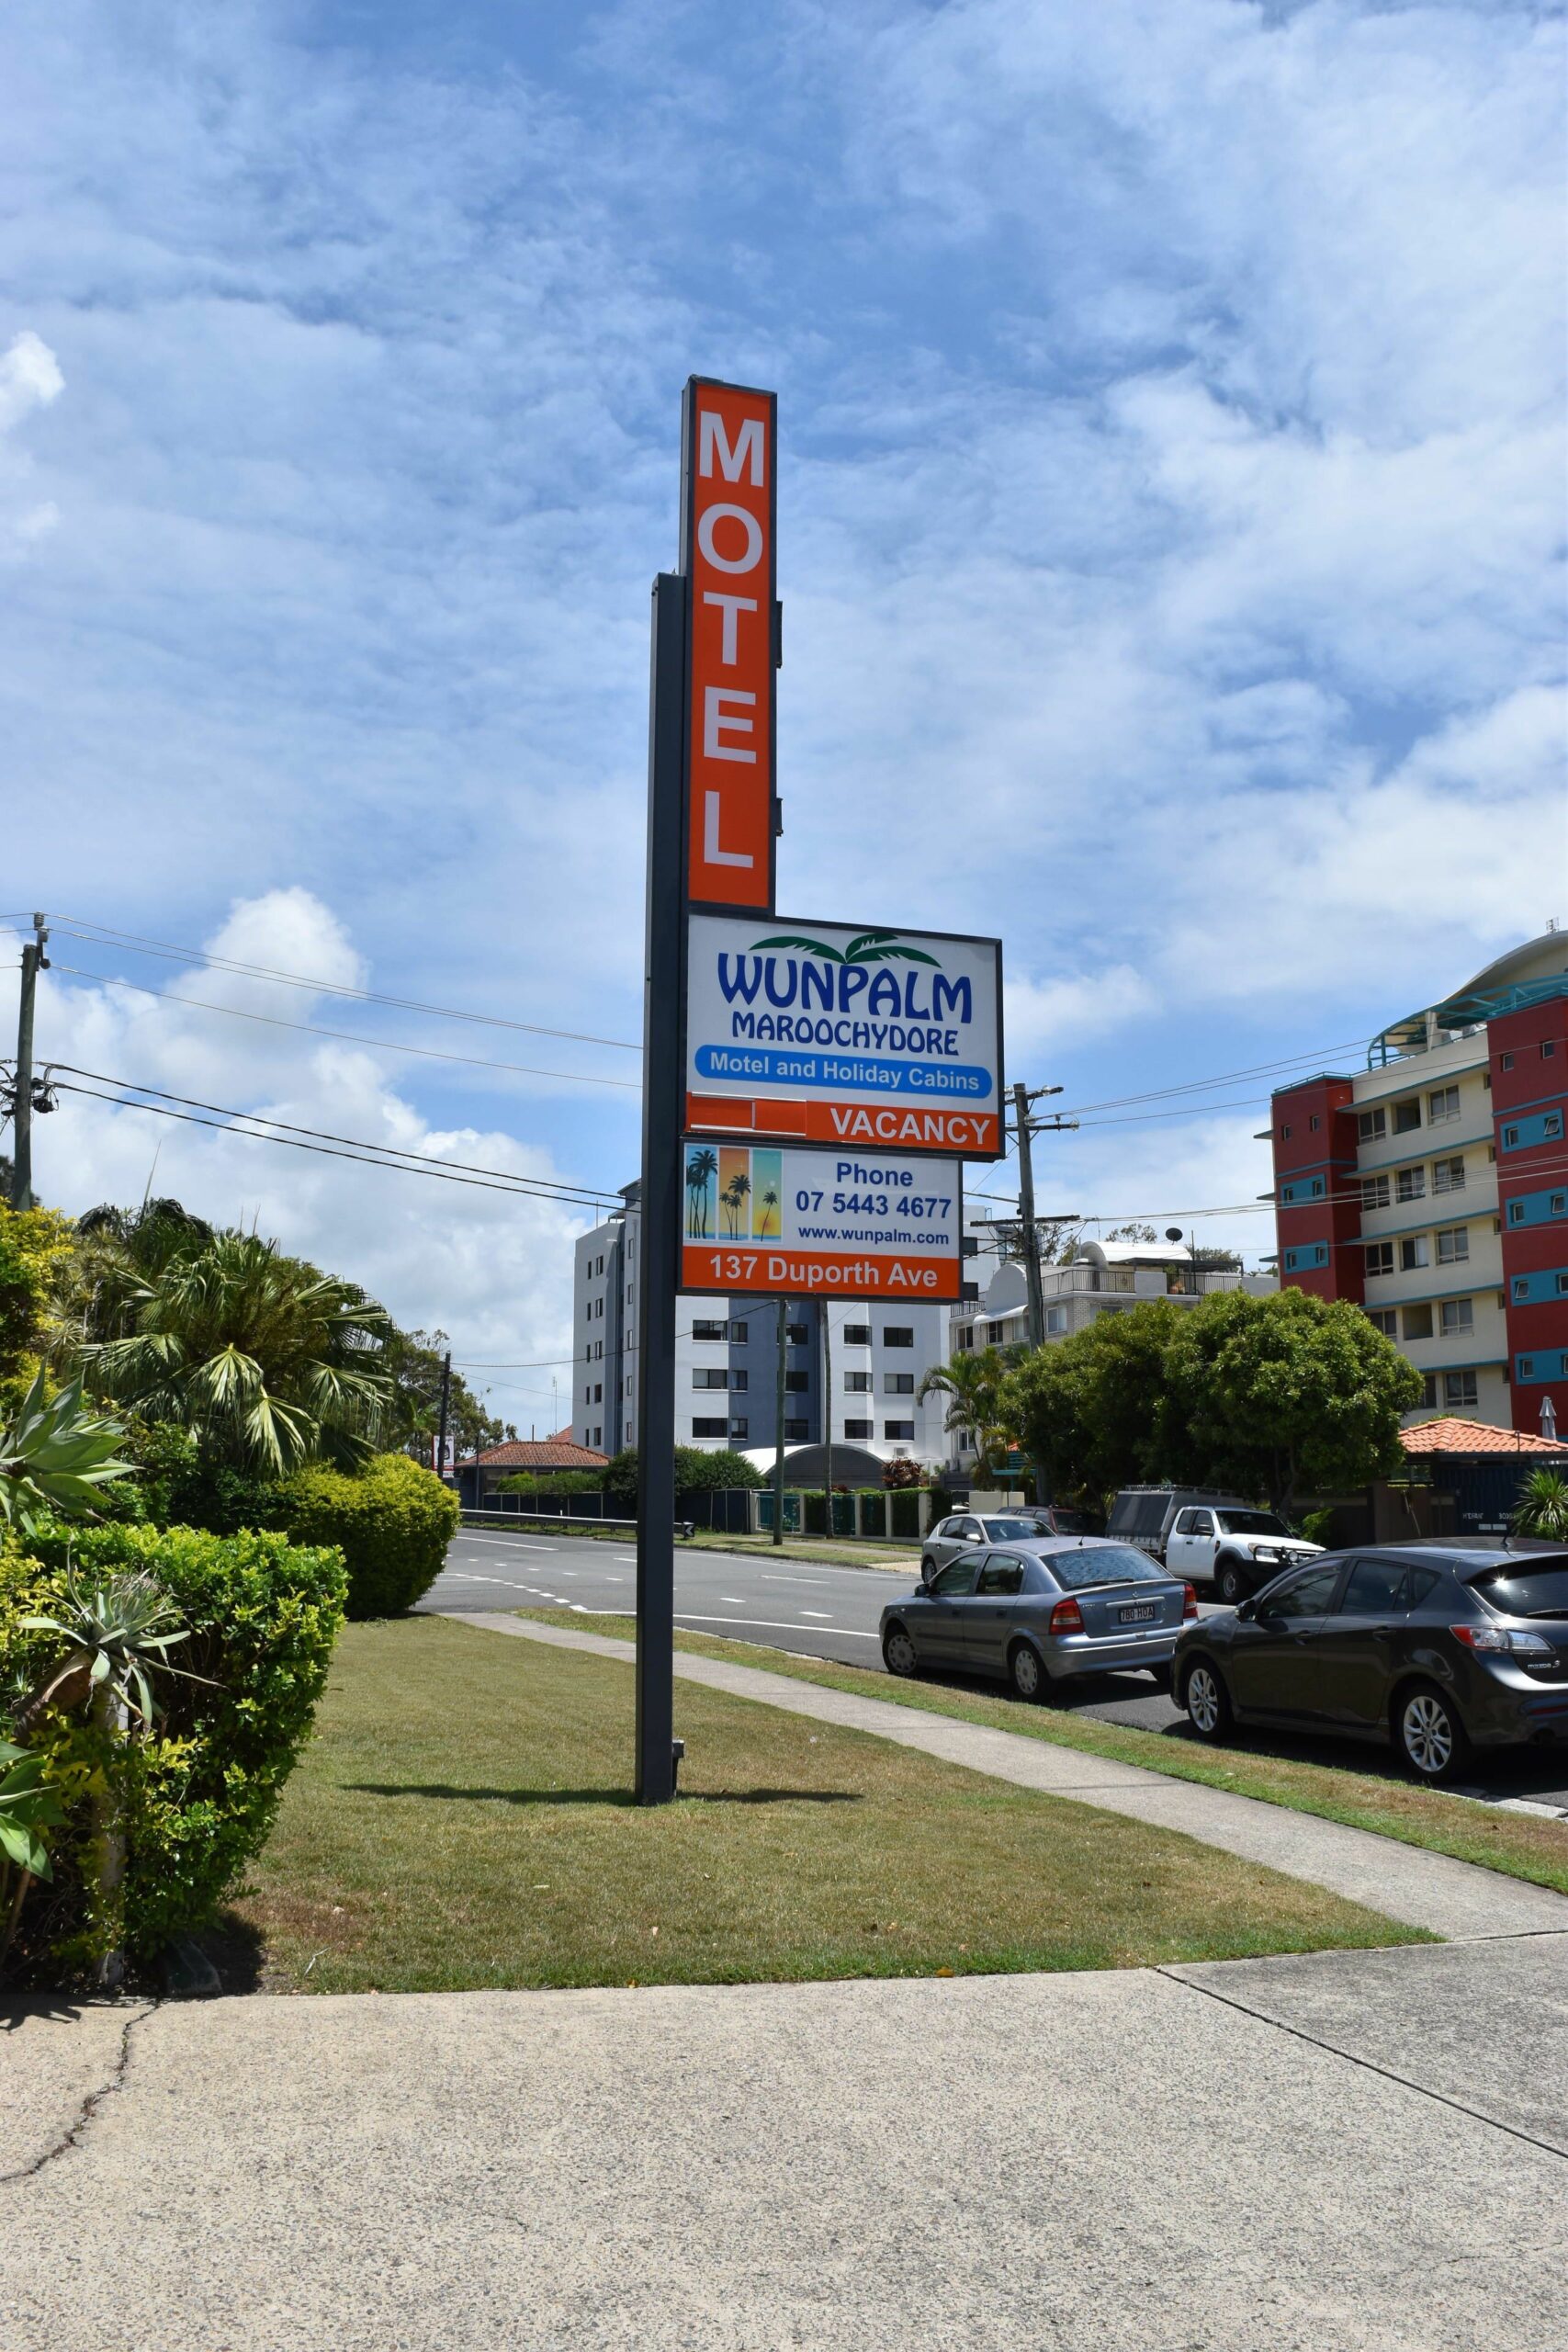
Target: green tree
{"type": "Point", "coordinates": [974, 1380]}
{"type": "Point", "coordinates": [272, 1362]}
{"type": "Point", "coordinates": [1087, 1410]}
{"type": "Point", "coordinates": [1281, 1396]}
{"type": "Point", "coordinates": [412, 1363]}
{"type": "Point", "coordinates": [36, 1247]}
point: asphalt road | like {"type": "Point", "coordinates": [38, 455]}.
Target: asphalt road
{"type": "Point", "coordinates": [831, 1612]}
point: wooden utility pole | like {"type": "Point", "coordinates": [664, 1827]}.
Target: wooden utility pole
{"type": "Point", "coordinates": [34, 961]}
{"type": "Point", "coordinates": [779, 1423]}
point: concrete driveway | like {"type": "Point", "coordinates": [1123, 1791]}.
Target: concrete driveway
{"type": "Point", "coordinates": [1342, 2152]}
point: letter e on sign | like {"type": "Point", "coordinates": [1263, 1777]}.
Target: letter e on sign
{"type": "Point", "coordinates": [726, 551]}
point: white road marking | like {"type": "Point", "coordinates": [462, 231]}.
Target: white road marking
{"type": "Point", "coordinates": [508, 1542]}
{"type": "Point", "coordinates": [771, 1625]}
{"type": "Point", "coordinates": [771, 1576]}
{"type": "Point", "coordinates": [816, 1612]}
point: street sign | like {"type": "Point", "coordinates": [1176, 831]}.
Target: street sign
{"type": "Point", "coordinates": [829, 1224]}
{"type": "Point", "coordinates": [819, 1033]}
{"type": "Point", "coordinates": [727, 538]}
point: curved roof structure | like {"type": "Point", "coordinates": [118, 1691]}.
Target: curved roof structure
{"type": "Point", "coordinates": [1537, 968]}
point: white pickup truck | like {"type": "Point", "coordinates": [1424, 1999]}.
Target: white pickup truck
{"type": "Point", "coordinates": [1234, 1547]}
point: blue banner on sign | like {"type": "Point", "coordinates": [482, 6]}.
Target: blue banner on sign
{"type": "Point", "coordinates": [789, 1067]}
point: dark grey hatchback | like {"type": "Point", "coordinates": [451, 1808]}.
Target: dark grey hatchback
{"type": "Point", "coordinates": [1434, 1647]}
{"type": "Point", "coordinates": [1041, 1612]}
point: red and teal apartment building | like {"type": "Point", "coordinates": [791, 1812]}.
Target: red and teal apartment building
{"type": "Point", "coordinates": [1431, 1189]}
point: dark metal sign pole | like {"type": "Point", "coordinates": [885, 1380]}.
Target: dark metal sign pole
{"type": "Point", "coordinates": [658, 1272]}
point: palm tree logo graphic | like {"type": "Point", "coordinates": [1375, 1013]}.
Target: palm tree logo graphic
{"type": "Point", "coordinates": [867, 948]}
{"type": "Point", "coordinates": [734, 1198]}
{"type": "Point", "coordinates": [700, 1167]}
{"type": "Point", "coordinates": [768, 1222]}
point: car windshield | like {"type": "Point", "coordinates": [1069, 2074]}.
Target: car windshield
{"type": "Point", "coordinates": [1012, 1530]}
{"type": "Point", "coordinates": [1252, 1522]}
{"type": "Point", "coordinates": [1103, 1563]}
{"type": "Point", "coordinates": [1071, 1522]}
{"type": "Point", "coordinates": [1537, 1588]}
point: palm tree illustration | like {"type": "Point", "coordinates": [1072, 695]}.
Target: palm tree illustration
{"type": "Point", "coordinates": [699, 1167]}
{"type": "Point", "coordinates": [735, 1194]}
{"type": "Point", "coordinates": [768, 1222]}
{"type": "Point", "coordinates": [867, 948]}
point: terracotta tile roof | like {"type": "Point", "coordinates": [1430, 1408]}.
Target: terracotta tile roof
{"type": "Point", "coordinates": [1452, 1436]}
{"type": "Point", "coordinates": [556, 1453]}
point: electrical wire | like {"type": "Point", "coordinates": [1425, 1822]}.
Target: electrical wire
{"type": "Point", "coordinates": [346, 1037]}
{"type": "Point", "coordinates": [78, 927]}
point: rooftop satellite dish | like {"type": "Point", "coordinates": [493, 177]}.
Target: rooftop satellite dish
{"type": "Point", "coordinates": [1173, 1233]}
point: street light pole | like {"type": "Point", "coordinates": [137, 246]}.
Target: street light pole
{"type": "Point", "coordinates": [779, 1424]}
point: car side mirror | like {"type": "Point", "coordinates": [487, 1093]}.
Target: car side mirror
{"type": "Point", "coordinates": [1247, 1610]}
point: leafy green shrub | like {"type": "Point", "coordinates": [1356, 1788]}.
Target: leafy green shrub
{"type": "Point", "coordinates": [1317, 1526]}
{"type": "Point", "coordinates": [199, 1792]}
{"type": "Point", "coordinates": [392, 1522]}
{"type": "Point", "coordinates": [554, 1482]}
{"type": "Point", "coordinates": [904, 1512]}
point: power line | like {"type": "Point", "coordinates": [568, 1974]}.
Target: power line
{"type": "Point", "coordinates": [370, 1158]}
{"type": "Point", "coordinates": [1227, 1077]}
{"type": "Point", "coordinates": [93, 933]}
{"type": "Point", "coordinates": [346, 1036]}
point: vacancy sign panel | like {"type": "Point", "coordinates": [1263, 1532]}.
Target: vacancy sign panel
{"type": "Point", "coordinates": [816, 1032]}
{"type": "Point", "coordinates": [729, 558]}
{"type": "Point", "coordinates": [843, 1224]}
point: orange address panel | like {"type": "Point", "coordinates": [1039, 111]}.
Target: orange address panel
{"type": "Point", "coordinates": [794, 1273]}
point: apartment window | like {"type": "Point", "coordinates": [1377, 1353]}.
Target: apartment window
{"type": "Point", "coordinates": [708, 1330]}
{"type": "Point", "coordinates": [705, 1377]}
{"type": "Point", "coordinates": [1379, 1258]}
{"type": "Point", "coordinates": [1563, 1286]}
{"type": "Point", "coordinates": [1522, 1285]}
{"type": "Point", "coordinates": [740, 1425]}
{"type": "Point", "coordinates": [1414, 1253]}
{"type": "Point", "coordinates": [1491, 1153]}
{"type": "Point", "coordinates": [702, 1427]}
{"type": "Point", "coordinates": [1429, 1390]}
{"type": "Point", "coordinates": [1418, 1322]}
{"type": "Point", "coordinates": [966, 1334]}
{"type": "Point", "coordinates": [1458, 1389]}
{"type": "Point", "coordinates": [859, 1429]}
{"type": "Point", "coordinates": [1056, 1319]}
{"type": "Point", "coordinates": [1457, 1315]}
{"type": "Point", "coordinates": [796, 1382]}
{"type": "Point", "coordinates": [897, 1335]}
{"type": "Point", "coordinates": [1448, 1175]}
{"type": "Point", "coordinates": [599, 1437]}
{"type": "Point", "coordinates": [598, 1351]}
{"type": "Point", "coordinates": [1314, 1122]}
{"type": "Point", "coordinates": [1510, 1137]}
{"type": "Point", "coordinates": [797, 1334]}
{"type": "Point", "coordinates": [796, 1431]}
{"type": "Point", "coordinates": [740, 1380]}
{"type": "Point", "coordinates": [1383, 1319]}
{"type": "Point", "coordinates": [1516, 1212]}
{"type": "Point", "coordinates": [899, 1383]}
{"type": "Point", "coordinates": [857, 1335]}
{"type": "Point", "coordinates": [1411, 1184]}
{"type": "Point", "coordinates": [1505, 1061]}
{"type": "Point", "coordinates": [1453, 1245]}
{"type": "Point", "coordinates": [897, 1428]}
{"type": "Point", "coordinates": [1284, 1135]}
{"type": "Point", "coordinates": [1526, 1367]}
{"type": "Point", "coordinates": [598, 1392]}
{"type": "Point", "coordinates": [1374, 1192]}
{"type": "Point", "coordinates": [1372, 1126]}
{"type": "Point", "coordinates": [858, 1383]}
{"type": "Point", "coordinates": [1548, 1047]}
{"type": "Point", "coordinates": [995, 1334]}
{"type": "Point", "coordinates": [1442, 1104]}
{"type": "Point", "coordinates": [1407, 1116]}
{"type": "Point", "coordinates": [599, 1265]}
{"type": "Point", "coordinates": [588, 1312]}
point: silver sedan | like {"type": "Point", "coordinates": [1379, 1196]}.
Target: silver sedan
{"type": "Point", "coordinates": [965, 1529]}
{"type": "Point", "coordinates": [1041, 1612]}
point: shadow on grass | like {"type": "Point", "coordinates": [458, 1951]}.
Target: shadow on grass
{"type": "Point", "coordinates": [602, 1797]}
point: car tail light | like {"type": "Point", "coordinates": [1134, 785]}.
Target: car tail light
{"type": "Point", "coordinates": [1067, 1617]}
{"type": "Point", "coordinates": [1502, 1637]}
{"type": "Point", "coordinates": [1189, 1602]}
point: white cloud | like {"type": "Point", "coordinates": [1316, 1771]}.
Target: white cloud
{"type": "Point", "coordinates": [1047, 1018]}
{"type": "Point", "coordinates": [30, 378]}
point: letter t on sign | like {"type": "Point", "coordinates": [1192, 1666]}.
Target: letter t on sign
{"type": "Point", "coordinates": [729, 510]}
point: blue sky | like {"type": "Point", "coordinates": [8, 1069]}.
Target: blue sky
{"type": "Point", "coordinates": [1170, 532]}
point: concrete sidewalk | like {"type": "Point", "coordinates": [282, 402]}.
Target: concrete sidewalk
{"type": "Point", "coordinates": [1352, 2152]}
{"type": "Point", "coordinates": [1425, 1890]}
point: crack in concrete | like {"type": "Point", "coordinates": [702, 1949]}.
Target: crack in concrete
{"type": "Point", "coordinates": [89, 2107]}
{"type": "Point", "coordinates": [1371, 2066]}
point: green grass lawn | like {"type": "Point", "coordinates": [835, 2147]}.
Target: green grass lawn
{"type": "Point", "coordinates": [1520, 1845]}
{"type": "Point", "coordinates": [464, 1819]}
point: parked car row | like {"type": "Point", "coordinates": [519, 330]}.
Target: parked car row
{"type": "Point", "coordinates": [1437, 1648]}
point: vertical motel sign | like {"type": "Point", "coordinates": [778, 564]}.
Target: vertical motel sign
{"type": "Point", "coordinates": [710, 844]}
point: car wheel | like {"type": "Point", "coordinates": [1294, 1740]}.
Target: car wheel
{"type": "Point", "coordinates": [927, 1569]}
{"type": "Point", "coordinates": [1234, 1582]}
{"type": "Point", "coordinates": [898, 1653]}
{"type": "Point", "coordinates": [1427, 1733]}
{"type": "Point", "coordinates": [1028, 1676]}
{"type": "Point", "coordinates": [1206, 1700]}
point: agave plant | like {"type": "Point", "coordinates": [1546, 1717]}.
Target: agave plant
{"type": "Point", "coordinates": [118, 1632]}
{"type": "Point", "coordinates": [1543, 1506]}
{"type": "Point", "coordinates": [55, 1455]}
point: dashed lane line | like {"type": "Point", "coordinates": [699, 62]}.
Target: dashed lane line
{"type": "Point", "coordinates": [773, 1626]}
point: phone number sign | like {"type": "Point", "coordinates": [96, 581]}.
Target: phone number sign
{"type": "Point", "coordinates": [838, 1224]}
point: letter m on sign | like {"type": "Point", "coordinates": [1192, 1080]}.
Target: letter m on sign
{"type": "Point", "coordinates": [714, 443]}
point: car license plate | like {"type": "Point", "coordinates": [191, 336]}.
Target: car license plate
{"type": "Point", "coordinates": [1143, 1614]}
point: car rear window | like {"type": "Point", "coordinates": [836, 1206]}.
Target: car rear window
{"type": "Point", "coordinates": [1537, 1588]}
{"type": "Point", "coordinates": [1103, 1563]}
{"type": "Point", "coordinates": [1252, 1522]}
{"type": "Point", "coordinates": [1072, 1523]}
{"type": "Point", "coordinates": [1012, 1530]}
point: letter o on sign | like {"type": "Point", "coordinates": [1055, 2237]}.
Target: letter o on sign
{"type": "Point", "coordinates": [753, 529]}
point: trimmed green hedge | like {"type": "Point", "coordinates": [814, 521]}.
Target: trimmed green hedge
{"type": "Point", "coordinates": [199, 1793]}
{"type": "Point", "coordinates": [392, 1523]}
